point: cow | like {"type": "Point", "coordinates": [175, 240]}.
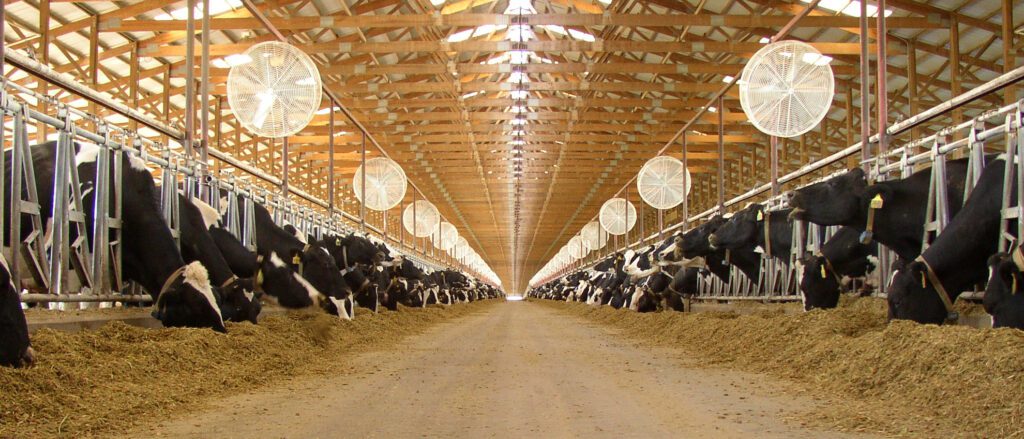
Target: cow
{"type": "Point", "coordinates": [15, 348]}
{"type": "Point", "coordinates": [236, 296]}
{"type": "Point", "coordinates": [181, 292]}
{"type": "Point", "coordinates": [312, 264]}
{"type": "Point", "coordinates": [747, 229]}
{"type": "Point", "coordinates": [843, 255]}
{"type": "Point", "coordinates": [897, 208]}
{"type": "Point", "coordinates": [1003, 298]}
{"type": "Point", "coordinates": [956, 260]}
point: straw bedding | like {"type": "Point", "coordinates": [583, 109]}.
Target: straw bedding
{"type": "Point", "coordinates": [897, 379]}
{"type": "Point", "coordinates": [96, 383]}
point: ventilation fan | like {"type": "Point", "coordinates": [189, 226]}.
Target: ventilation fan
{"type": "Point", "coordinates": [663, 182]}
{"type": "Point", "coordinates": [786, 88]}
{"type": "Point", "coordinates": [445, 236]}
{"type": "Point", "coordinates": [577, 247]}
{"type": "Point", "coordinates": [617, 216]}
{"type": "Point", "coordinates": [276, 92]}
{"type": "Point", "coordinates": [385, 183]}
{"type": "Point", "coordinates": [595, 236]}
{"type": "Point", "coordinates": [421, 218]}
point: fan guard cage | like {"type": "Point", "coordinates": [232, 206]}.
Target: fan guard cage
{"type": "Point", "coordinates": [421, 218]}
{"type": "Point", "coordinates": [385, 183]}
{"type": "Point", "coordinates": [617, 216]}
{"type": "Point", "coordinates": [787, 88]}
{"type": "Point", "coordinates": [277, 92]}
{"type": "Point", "coordinates": [663, 182]}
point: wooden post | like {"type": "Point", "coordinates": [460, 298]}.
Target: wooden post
{"type": "Point", "coordinates": [133, 84]}
{"type": "Point", "coordinates": [44, 57]}
{"type": "Point", "coordinates": [1009, 53]}
{"type": "Point", "coordinates": [954, 65]}
{"type": "Point", "coordinates": [912, 85]}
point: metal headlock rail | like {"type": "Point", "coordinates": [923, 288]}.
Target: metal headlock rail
{"type": "Point", "coordinates": [92, 270]}
{"type": "Point", "coordinates": [979, 132]}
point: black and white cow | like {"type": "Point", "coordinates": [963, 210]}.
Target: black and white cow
{"type": "Point", "coordinates": [15, 348]}
{"type": "Point", "coordinates": [313, 267]}
{"type": "Point", "coordinates": [900, 205]}
{"type": "Point", "coordinates": [236, 296]}
{"type": "Point", "coordinates": [1004, 300]}
{"type": "Point", "coordinates": [746, 229]}
{"type": "Point", "coordinates": [842, 256]}
{"type": "Point", "coordinates": [182, 293]}
{"type": "Point", "coordinates": [956, 260]}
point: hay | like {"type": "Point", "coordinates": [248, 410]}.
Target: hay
{"type": "Point", "coordinates": [107, 381]}
{"type": "Point", "coordinates": [898, 379]}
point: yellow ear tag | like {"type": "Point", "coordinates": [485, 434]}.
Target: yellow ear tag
{"type": "Point", "coordinates": [760, 215]}
{"type": "Point", "coordinates": [259, 277]}
{"type": "Point", "coordinates": [876, 203]}
{"type": "Point", "coordinates": [337, 242]}
{"type": "Point", "coordinates": [923, 284]}
{"type": "Point", "coordinates": [823, 274]}
{"type": "Point", "coordinates": [296, 260]}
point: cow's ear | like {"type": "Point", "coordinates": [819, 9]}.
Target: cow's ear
{"type": "Point", "coordinates": [918, 272]}
{"type": "Point", "coordinates": [876, 195]}
{"type": "Point", "coordinates": [1007, 270]}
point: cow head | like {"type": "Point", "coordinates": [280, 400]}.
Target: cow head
{"type": "Point", "coordinates": [15, 349]}
{"type": "Point", "coordinates": [277, 279]}
{"type": "Point", "coordinates": [696, 241]}
{"type": "Point", "coordinates": [819, 285]}
{"type": "Point", "coordinates": [742, 229]}
{"type": "Point", "coordinates": [188, 300]}
{"type": "Point", "coordinates": [836, 201]}
{"type": "Point", "coordinates": [320, 270]}
{"type": "Point", "coordinates": [239, 301]}
{"type": "Point", "coordinates": [1003, 299]}
{"type": "Point", "coordinates": [913, 297]}
{"type": "Point", "coordinates": [670, 250]}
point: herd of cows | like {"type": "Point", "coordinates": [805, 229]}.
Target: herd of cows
{"type": "Point", "coordinates": [891, 213]}
{"type": "Point", "coordinates": [212, 277]}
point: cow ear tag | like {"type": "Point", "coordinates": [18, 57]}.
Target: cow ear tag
{"type": "Point", "coordinates": [876, 202]}
{"type": "Point", "coordinates": [337, 242]}
{"type": "Point", "coordinates": [823, 274]}
{"type": "Point", "coordinates": [760, 215]}
{"type": "Point", "coordinates": [296, 260]}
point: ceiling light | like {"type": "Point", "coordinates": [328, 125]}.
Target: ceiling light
{"type": "Point", "coordinates": [764, 40]}
{"type": "Point", "coordinates": [728, 78]}
{"type": "Point", "coordinates": [519, 94]}
{"type": "Point", "coordinates": [713, 109]}
{"type": "Point", "coordinates": [470, 94]}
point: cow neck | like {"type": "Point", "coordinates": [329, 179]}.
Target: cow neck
{"type": "Point", "coordinates": [747, 261]}
{"type": "Point", "coordinates": [162, 264]}
{"type": "Point", "coordinates": [929, 276]}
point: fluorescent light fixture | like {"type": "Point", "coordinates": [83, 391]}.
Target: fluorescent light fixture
{"type": "Point", "coordinates": [727, 79]}
{"type": "Point", "coordinates": [517, 121]}
{"type": "Point", "coordinates": [520, 33]}
{"type": "Point", "coordinates": [583, 36]}
{"type": "Point", "coordinates": [518, 109]}
{"type": "Point", "coordinates": [217, 7]}
{"type": "Point", "coordinates": [437, 2]}
{"type": "Point", "coordinates": [237, 59]}
{"type": "Point", "coordinates": [713, 109]}
{"type": "Point", "coordinates": [815, 59]}
{"type": "Point", "coordinates": [460, 36]}
{"type": "Point", "coordinates": [517, 77]}
{"type": "Point", "coordinates": [764, 40]}
{"type": "Point", "coordinates": [519, 94]}
{"type": "Point", "coordinates": [697, 132]}
{"type": "Point", "coordinates": [470, 94]}
{"type": "Point", "coordinates": [516, 142]}
{"type": "Point", "coordinates": [846, 7]}
{"type": "Point", "coordinates": [519, 57]}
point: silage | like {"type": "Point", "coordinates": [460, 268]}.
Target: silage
{"type": "Point", "coordinates": [897, 378]}
{"type": "Point", "coordinates": [109, 380]}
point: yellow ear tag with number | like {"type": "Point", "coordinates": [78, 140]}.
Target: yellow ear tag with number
{"type": "Point", "coordinates": [760, 215]}
{"type": "Point", "coordinates": [876, 203]}
{"type": "Point", "coordinates": [823, 274]}
{"type": "Point", "coordinates": [296, 260]}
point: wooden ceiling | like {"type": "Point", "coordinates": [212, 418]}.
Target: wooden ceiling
{"type": "Point", "coordinates": [584, 90]}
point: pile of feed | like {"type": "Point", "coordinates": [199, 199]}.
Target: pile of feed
{"type": "Point", "coordinates": [897, 379]}
{"type": "Point", "coordinates": [112, 379]}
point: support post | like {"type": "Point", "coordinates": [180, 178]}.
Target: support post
{"type": "Point", "coordinates": [883, 92]}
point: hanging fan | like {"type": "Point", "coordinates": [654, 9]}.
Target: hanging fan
{"type": "Point", "coordinates": [577, 247]}
{"type": "Point", "coordinates": [421, 218]}
{"type": "Point", "coordinates": [445, 236]}
{"type": "Point", "coordinates": [595, 236]}
{"type": "Point", "coordinates": [276, 92]}
{"type": "Point", "coordinates": [787, 88]}
{"type": "Point", "coordinates": [461, 248]}
{"type": "Point", "coordinates": [617, 216]}
{"type": "Point", "coordinates": [385, 183]}
{"type": "Point", "coordinates": [663, 182]}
